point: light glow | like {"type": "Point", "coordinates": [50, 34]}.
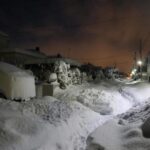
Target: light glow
{"type": "Point", "coordinates": [139, 62]}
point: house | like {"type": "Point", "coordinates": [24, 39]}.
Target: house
{"type": "Point", "coordinates": [21, 57]}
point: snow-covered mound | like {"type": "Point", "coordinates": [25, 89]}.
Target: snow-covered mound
{"type": "Point", "coordinates": [20, 131]}
{"type": "Point", "coordinates": [104, 101]}
{"type": "Point", "coordinates": [52, 124]}
{"type": "Point", "coordinates": [137, 92]}
{"type": "Point", "coordinates": [46, 124]}
{"type": "Point", "coordinates": [131, 131]}
{"type": "Point", "coordinates": [137, 114]}
{"type": "Point", "coordinates": [103, 97]}
{"type": "Point", "coordinates": [16, 83]}
{"type": "Point", "coordinates": [115, 136]}
{"type": "Point", "coordinates": [106, 97]}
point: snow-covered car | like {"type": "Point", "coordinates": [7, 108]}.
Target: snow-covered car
{"type": "Point", "coordinates": [15, 83]}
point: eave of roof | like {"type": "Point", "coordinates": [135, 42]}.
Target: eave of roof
{"type": "Point", "coordinates": [26, 52]}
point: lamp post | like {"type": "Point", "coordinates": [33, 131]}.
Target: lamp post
{"type": "Point", "coordinates": [139, 63]}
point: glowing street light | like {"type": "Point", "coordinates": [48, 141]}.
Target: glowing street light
{"type": "Point", "coordinates": [139, 62]}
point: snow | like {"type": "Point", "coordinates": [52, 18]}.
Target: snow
{"type": "Point", "coordinates": [106, 137]}
{"type": "Point", "coordinates": [115, 136]}
{"type": "Point", "coordinates": [106, 97]}
{"type": "Point", "coordinates": [104, 101]}
{"type": "Point", "coordinates": [87, 116]}
{"type": "Point", "coordinates": [44, 124]}
{"type": "Point", "coordinates": [129, 131]}
{"type": "Point", "coordinates": [137, 92]}
{"type": "Point", "coordinates": [16, 83]}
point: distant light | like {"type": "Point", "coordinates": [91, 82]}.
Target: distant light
{"type": "Point", "coordinates": [133, 72]}
{"type": "Point", "coordinates": [139, 62]}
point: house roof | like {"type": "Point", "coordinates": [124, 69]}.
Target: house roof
{"type": "Point", "coordinates": [50, 60]}
{"type": "Point", "coordinates": [25, 52]}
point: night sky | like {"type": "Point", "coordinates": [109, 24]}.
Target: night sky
{"type": "Point", "coordinates": [104, 32]}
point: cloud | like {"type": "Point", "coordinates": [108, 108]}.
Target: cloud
{"type": "Point", "coordinates": [91, 28]}
{"type": "Point", "coordinates": [44, 31]}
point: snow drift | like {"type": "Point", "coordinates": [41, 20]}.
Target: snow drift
{"type": "Point", "coordinates": [46, 124]}
{"type": "Point", "coordinates": [136, 92]}
{"type": "Point", "coordinates": [131, 131]}
{"type": "Point", "coordinates": [16, 83]}
{"type": "Point", "coordinates": [116, 136]}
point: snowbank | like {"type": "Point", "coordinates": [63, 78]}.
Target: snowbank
{"type": "Point", "coordinates": [115, 136]}
{"type": "Point", "coordinates": [137, 92]}
{"type": "Point", "coordinates": [46, 124]}
{"type": "Point", "coordinates": [16, 83]}
{"type": "Point", "coordinates": [49, 123]}
{"type": "Point", "coordinates": [105, 101]}
{"type": "Point", "coordinates": [103, 97]}
{"type": "Point", "coordinates": [130, 132]}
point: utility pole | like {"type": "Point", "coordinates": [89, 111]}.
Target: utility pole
{"type": "Point", "coordinates": [135, 58]}
{"type": "Point", "coordinates": [140, 50]}
{"type": "Point", "coordinates": [69, 51]}
{"type": "Point", "coordinates": [115, 64]}
{"type": "Point", "coordinates": [140, 53]}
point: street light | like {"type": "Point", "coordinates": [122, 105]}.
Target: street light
{"type": "Point", "coordinates": [139, 63]}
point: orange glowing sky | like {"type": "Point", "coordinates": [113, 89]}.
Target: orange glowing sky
{"type": "Point", "coordinates": [103, 32]}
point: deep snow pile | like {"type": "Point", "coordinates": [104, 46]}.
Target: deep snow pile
{"type": "Point", "coordinates": [104, 101]}
{"type": "Point", "coordinates": [65, 124]}
{"type": "Point", "coordinates": [137, 114]}
{"type": "Point", "coordinates": [116, 136]}
{"type": "Point", "coordinates": [46, 124]}
{"type": "Point", "coordinates": [108, 97]}
{"type": "Point", "coordinates": [129, 131]}
{"type": "Point", "coordinates": [132, 132]}
{"type": "Point", "coordinates": [136, 92]}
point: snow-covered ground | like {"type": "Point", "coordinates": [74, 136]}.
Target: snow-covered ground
{"type": "Point", "coordinates": [46, 124]}
{"type": "Point", "coordinates": [115, 136]}
{"type": "Point", "coordinates": [86, 114]}
{"type": "Point", "coordinates": [108, 97]}
{"type": "Point", "coordinates": [128, 131]}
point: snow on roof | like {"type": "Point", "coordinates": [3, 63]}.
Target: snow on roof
{"type": "Point", "coordinates": [11, 69]}
{"type": "Point", "coordinates": [49, 60]}
{"type": "Point", "coordinates": [26, 52]}
{"type": "Point", "coordinates": [35, 51]}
